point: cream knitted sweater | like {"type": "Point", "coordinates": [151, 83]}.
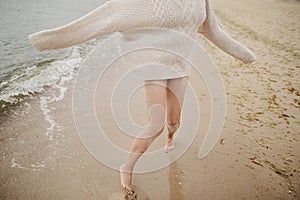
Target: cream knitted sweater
{"type": "Point", "coordinates": [186, 16]}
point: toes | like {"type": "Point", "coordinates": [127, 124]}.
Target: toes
{"type": "Point", "coordinates": [128, 189]}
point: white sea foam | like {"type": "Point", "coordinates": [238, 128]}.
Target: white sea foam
{"type": "Point", "coordinates": [14, 164]}
{"type": "Point", "coordinates": [34, 167]}
{"type": "Point", "coordinates": [34, 78]}
{"type": "Point", "coordinates": [63, 71]}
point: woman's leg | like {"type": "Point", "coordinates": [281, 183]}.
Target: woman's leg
{"type": "Point", "coordinates": [156, 98]}
{"type": "Point", "coordinates": [175, 96]}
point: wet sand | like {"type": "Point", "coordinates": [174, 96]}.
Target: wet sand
{"type": "Point", "coordinates": [257, 157]}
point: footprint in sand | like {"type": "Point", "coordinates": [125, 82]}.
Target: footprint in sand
{"type": "Point", "coordinates": [121, 195]}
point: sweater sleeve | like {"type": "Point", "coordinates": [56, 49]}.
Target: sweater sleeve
{"type": "Point", "coordinates": [112, 16]}
{"type": "Point", "coordinates": [214, 31]}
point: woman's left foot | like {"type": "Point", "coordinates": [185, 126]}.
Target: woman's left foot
{"type": "Point", "coordinates": [126, 177]}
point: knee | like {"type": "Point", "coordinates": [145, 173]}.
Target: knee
{"type": "Point", "coordinates": [153, 130]}
{"type": "Point", "coordinates": [157, 119]}
{"type": "Point", "coordinates": [157, 129]}
{"type": "Point", "coordinates": [173, 126]}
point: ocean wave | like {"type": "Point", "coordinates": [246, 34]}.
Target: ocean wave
{"type": "Point", "coordinates": [33, 79]}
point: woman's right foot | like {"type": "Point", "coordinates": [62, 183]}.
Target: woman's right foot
{"type": "Point", "coordinates": [172, 128]}
{"type": "Point", "coordinates": [169, 146]}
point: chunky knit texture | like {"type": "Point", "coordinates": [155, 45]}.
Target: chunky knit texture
{"type": "Point", "coordinates": [186, 16]}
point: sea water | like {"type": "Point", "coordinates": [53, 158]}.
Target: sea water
{"type": "Point", "coordinates": [23, 69]}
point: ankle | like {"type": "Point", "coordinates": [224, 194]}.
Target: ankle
{"type": "Point", "coordinates": [172, 127]}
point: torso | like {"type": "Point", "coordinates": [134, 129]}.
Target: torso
{"type": "Point", "coordinates": [182, 15]}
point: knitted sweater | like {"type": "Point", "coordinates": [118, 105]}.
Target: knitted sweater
{"type": "Point", "coordinates": [186, 16]}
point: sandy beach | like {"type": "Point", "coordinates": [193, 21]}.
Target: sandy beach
{"type": "Point", "coordinates": [257, 156]}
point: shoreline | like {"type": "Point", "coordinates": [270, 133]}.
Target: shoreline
{"type": "Point", "coordinates": [257, 156]}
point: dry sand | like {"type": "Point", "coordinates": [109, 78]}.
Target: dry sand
{"type": "Point", "coordinates": [257, 157]}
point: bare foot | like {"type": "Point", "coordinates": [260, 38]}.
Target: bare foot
{"type": "Point", "coordinates": [126, 177]}
{"type": "Point", "coordinates": [169, 146]}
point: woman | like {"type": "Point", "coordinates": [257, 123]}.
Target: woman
{"type": "Point", "coordinates": [166, 90]}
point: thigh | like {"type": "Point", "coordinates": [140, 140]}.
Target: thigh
{"type": "Point", "coordinates": [175, 96]}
